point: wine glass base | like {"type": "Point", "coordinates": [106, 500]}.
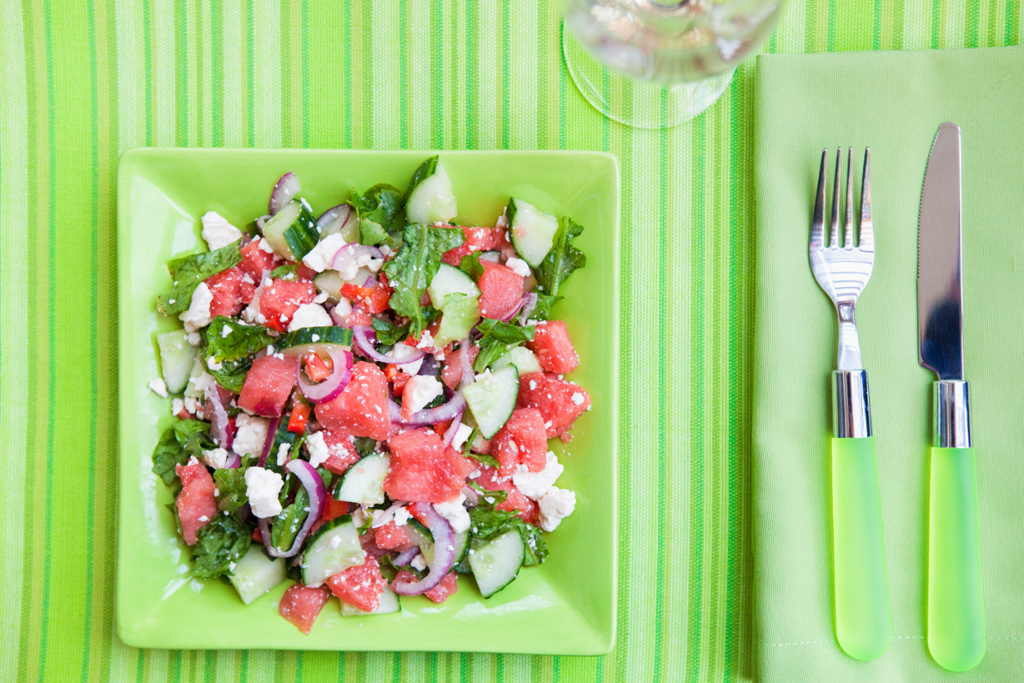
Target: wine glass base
{"type": "Point", "coordinates": [638, 103]}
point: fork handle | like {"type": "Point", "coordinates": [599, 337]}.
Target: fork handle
{"type": "Point", "coordinates": [863, 615]}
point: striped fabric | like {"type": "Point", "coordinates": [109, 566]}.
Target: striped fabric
{"type": "Point", "coordinates": [83, 80]}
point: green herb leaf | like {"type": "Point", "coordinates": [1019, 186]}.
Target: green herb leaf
{"type": "Point", "coordinates": [222, 541]}
{"type": "Point", "coordinates": [536, 548]}
{"type": "Point", "coordinates": [498, 339]}
{"type": "Point", "coordinates": [231, 486]}
{"type": "Point", "coordinates": [542, 311]}
{"type": "Point", "coordinates": [388, 334]}
{"type": "Point", "coordinates": [286, 272]}
{"type": "Point", "coordinates": [232, 344]}
{"type": "Point", "coordinates": [365, 445]}
{"type": "Point", "coordinates": [180, 441]}
{"type": "Point", "coordinates": [485, 459]}
{"type": "Point", "coordinates": [562, 260]}
{"type": "Point", "coordinates": [377, 210]}
{"type": "Point", "coordinates": [188, 271]}
{"type": "Point", "coordinates": [471, 266]}
{"type": "Point", "coordinates": [414, 266]}
{"type": "Point", "coordinates": [287, 524]}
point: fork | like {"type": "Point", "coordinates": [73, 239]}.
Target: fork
{"type": "Point", "coordinates": [842, 269]}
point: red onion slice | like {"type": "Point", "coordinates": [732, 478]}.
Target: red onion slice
{"type": "Point", "coordinates": [262, 220]}
{"type": "Point", "coordinates": [442, 413]}
{"type": "Point", "coordinates": [444, 551]}
{"type": "Point", "coordinates": [527, 309]}
{"type": "Point", "coordinates": [233, 462]}
{"type": "Point", "coordinates": [468, 377]}
{"type": "Point", "coordinates": [366, 340]}
{"type": "Point", "coordinates": [449, 435]}
{"type": "Point", "coordinates": [272, 426]}
{"type": "Point", "coordinates": [334, 219]}
{"type": "Point", "coordinates": [220, 430]}
{"type": "Point", "coordinates": [395, 411]}
{"type": "Point", "coordinates": [405, 557]}
{"type": "Point", "coordinates": [349, 256]}
{"type": "Point", "coordinates": [314, 486]}
{"type": "Point", "coordinates": [517, 309]}
{"type": "Point", "coordinates": [472, 499]}
{"type": "Point", "coordinates": [333, 385]}
{"type": "Point", "coordinates": [284, 191]}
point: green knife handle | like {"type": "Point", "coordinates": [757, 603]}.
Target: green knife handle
{"type": "Point", "coordinates": [956, 614]}
{"type": "Point", "coordinates": [863, 616]}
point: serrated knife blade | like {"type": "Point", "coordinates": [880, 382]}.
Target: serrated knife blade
{"type": "Point", "coordinates": [939, 261]}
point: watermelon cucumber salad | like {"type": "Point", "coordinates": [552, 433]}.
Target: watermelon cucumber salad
{"type": "Point", "coordinates": [365, 398]}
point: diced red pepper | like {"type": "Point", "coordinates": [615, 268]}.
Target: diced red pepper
{"type": "Point", "coordinates": [299, 417]}
{"type": "Point", "coordinates": [333, 509]}
{"type": "Point", "coordinates": [257, 535]}
{"type": "Point", "coordinates": [304, 272]}
{"type": "Point", "coordinates": [374, 299]}
{"type": "Point", "coordinates": [398, 385]}
{"type": "Point", "coordinates": [317, 369]}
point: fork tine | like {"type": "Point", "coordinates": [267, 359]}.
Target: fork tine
{"type": "Point", "coordinates": [818, 218]}
{"type": "Point", "coordinates": [833, 241]}
{"type": "Point", "coordinates": [848, 231]}
{"type": "Point", "coordinates": [867, 232]}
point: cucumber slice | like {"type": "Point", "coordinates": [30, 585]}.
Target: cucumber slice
{"type": "Point", "coordinates": [460, 314]}
{"type": "Point", "coordinates": [330, 281]}
{"type": "Point", "coordinates": [532, 230]}
{"type": "Point", "coordinates": [313, 340]}
{"type": "Point", "coordinates": [492, 398]}
{"type": "Point", "coordinates": [461, 546]}
{"type": "Point", "coordinates": [292, 232]}
{"type": "Point", "coordinates": [363, 483]}
{"type": "Point", "coordinates": [495, 563]}
{"type": "Point", "coordinates": [450, 280]}
{"type": "Point", "coordinates": [494, 256]}
{"type": "Point", "coordinates": [177, 357]}
{"type": "Point", "coordinates": [431, 197]}
{"type": "Point", "coordinates": [389, 604]}
{"type": "Point", "coordinates": [522, 358]}
{"type": "Point", "coordinates": [335, 548]}
{"type": "Point", "coordinates": [418, 533]}
{"type": "Point", "coordinates": [255, 574]}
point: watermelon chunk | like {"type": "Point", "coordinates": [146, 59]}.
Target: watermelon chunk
{"type": "Point", "coordinates": [268, 384]}
{"type": "Point", "coordinates": [231, 290]}
{"type": "Point", "coordinates": [342, 452]}
{"type": "Point", "coordinates": [390, 536]}
{"type": "Point", "coordinates": [300, 605]}
{"type": "Point", "coordinates": [449, 585]}
{"type": "Point", "coordinates": [196, 503]}
{"type": "Point", "coordinates": [477, 239]}
{"type": "Point", "coordinates": [257, 262]}
{"type": "Point", "coordinates": [559, 402]}
{"type": "Point", "coordinates": [451, 375]}
{"type": "Point", "coordinates": [359, 586]}
{"type": "Point", "coordinates": [361, 409]}
{"type": "Point", "coordinates": [501, 290]}
{"type": "Point", "coordinates": [554, 350]}
{"type": "Point", "coordinates": [281, 298]}
{"type": "Point", "coordinates": [422, 469]}
{"type": "Point", "coordinates": [490, 479]}
{"type": "Point", "coordinates": [522, 441]}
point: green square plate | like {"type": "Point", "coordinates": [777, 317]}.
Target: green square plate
{"type": "Point", "coordinates": [564, 606]}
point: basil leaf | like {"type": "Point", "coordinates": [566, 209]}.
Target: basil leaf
{"type": "Point", "coordinates": [232, 492]}
{"type": "Point", "coordinates": [498, 339]}
{"type": "Point", "coordinates": [180, 441]}
{"type": "Point", "coordinates": [377, 210]}
{"type": "Point", "coordinates": [414, 266]}
{"type": "Point", "coordinates": [220, 542]}
{"type": "Point", "coordinates": [562, 260]}
{"type": "Point", "coordinates": [388, 334]}
{"type": "Point", "coordinates": [365, 446]}
{"type": "Point", "coordinates": [188, 271]}
{"type": "Point", "coordinates": [231, 344]}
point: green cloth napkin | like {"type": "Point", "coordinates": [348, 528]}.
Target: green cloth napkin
{"type": "Point", "coordinates": [894, 103]}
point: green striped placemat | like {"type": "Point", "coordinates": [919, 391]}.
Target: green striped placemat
{"type": "Point", "coordinates": [81, 81]}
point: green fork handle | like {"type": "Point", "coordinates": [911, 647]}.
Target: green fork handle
{"type": "Point", "coordinates": [956, 614]}
{"type": "Point", "coordinates": [863, 615]}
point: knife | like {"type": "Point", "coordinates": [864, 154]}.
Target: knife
{"type": "Point", "coordinates": [956, 619]}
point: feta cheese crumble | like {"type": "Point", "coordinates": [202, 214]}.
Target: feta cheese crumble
{"type": "Point", "coordinates": [317, 448]}
{"type": "Point", "coordinates": [198, 314]}
{"type": "Point", "coordinates": [402, 351]}
{"type": "Point", "coordinates": [518, 266]}
{"type": "Point", "coordinates": [158, 387]}
{"type": "Point", "coordinates": [217, 232]}
{"type": "Point", "coordinates": [262, 487]}
{"type": "Point", "coordinates": [535, 485]}
{"type": "Point", "coordinates": [421, 390]}
{"type": "Point", "coordinates": [322, 255]}
{"type": "Point", "coordinates": [217, 458]}
{"type": "Point", "coordinates": [455, 513]}
{"type": "Point", "coordinates": [461, 434]}
{"type": "Point", "coordinates": [282, 454]}
{"type": "Point", "coordinates": [426, 341]}
{"type": "Point", "coordinates": [251, 435]}
{"type": "Point", "coordinates": [401, 517]}
{"type": "Point", "coordinates": [556, 505]}
{"type": "Point", "coordinates": [310, 315]}
{"type": "Point", "coordinates": [418, 563]}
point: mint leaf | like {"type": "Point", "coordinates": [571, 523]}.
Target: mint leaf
{"type": "Point", "coordinates": [414, 266]}
{"type": "Point", "coordinates": [222, 541]}
{"type": "Point", "coordinates": [388, 334]}
{"type": "Point", "coordinates": [188, 271]}
{"type": "Point", "coordinates": [562, 260]}
{"type": "Point", "coordinates": [181, 440]}
{"type": "Point", "coordinates": [231, 344]}
{"type": "Point", "coordinates": [231, 486]}
{"type": "Point", "coordinates": [498, 339]}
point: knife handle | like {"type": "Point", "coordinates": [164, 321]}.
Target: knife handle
{"type": "Point", "coordinates": [956, 615]}
{"type": "Point", "coordinates": [863, 615]}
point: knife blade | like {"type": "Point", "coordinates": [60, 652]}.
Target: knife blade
{"type": "Point", "coordinates": [956, 620]}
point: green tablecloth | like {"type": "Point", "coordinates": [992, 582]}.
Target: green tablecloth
{"type": "Point", "coordinates": [80, 82]}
